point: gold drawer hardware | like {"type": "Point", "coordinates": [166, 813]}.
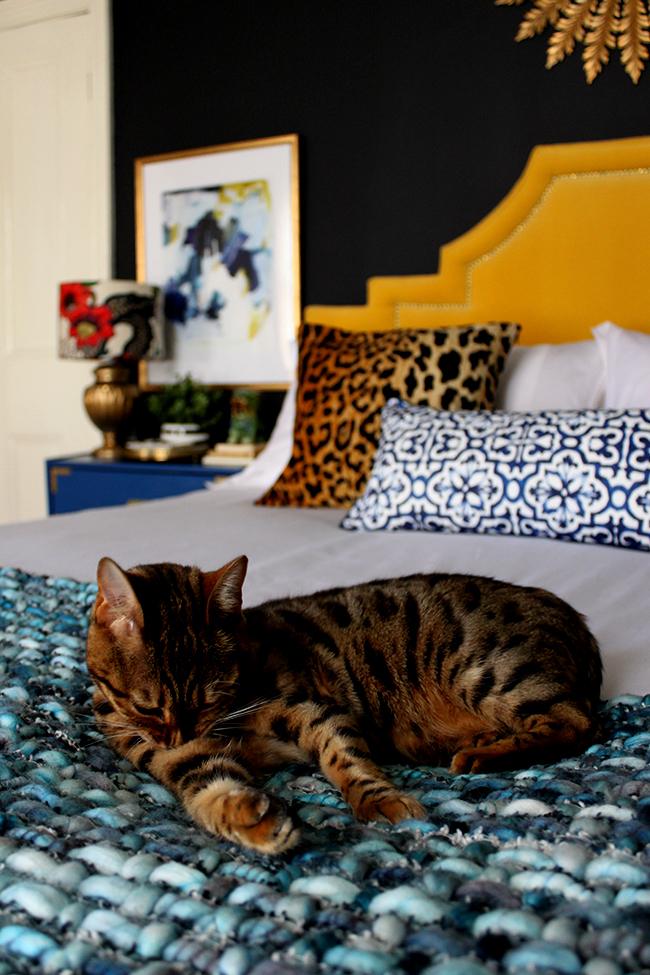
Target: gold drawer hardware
{"type": "Point", "coordinates": [55, 474]}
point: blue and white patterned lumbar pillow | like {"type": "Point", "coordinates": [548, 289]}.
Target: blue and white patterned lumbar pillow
{"type": "Point", "coordinates": [578, 475]}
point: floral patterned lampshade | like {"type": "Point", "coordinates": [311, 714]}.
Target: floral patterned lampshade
{"type": "Point", "coordinates": [111, 320]}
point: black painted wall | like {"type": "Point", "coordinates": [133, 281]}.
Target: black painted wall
{"type": "Point", "coordinates": [415, 117]}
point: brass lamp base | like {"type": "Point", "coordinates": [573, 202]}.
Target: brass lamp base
{"type": "Point", "coordinates": [109, 403]}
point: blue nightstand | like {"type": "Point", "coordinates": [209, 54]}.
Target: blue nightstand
{"type": "Point", "coordinates": [83, 481]}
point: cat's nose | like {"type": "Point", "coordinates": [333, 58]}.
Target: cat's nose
{"type": "Point", "coordinates": [175, 738]}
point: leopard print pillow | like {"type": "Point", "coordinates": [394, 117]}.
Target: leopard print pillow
{"type": "Point", "coordinates": [344, 379]}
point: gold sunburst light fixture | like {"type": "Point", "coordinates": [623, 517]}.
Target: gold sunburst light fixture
{"type": "Point", "coordinates": [600, 25]}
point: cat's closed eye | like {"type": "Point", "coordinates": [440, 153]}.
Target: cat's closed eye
{"type": "Point", "coordinates": [148, 712]}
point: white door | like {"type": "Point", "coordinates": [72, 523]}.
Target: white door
{"type": "Point", "coordinates": [55, 206]}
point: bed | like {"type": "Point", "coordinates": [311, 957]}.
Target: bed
{"type": "Point", "coordinates": [542, 870]}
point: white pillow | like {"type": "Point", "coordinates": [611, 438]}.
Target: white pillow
{"type": "Point", "coordinates": [626, 355]}
{"type": "Point", "coordinates": [568, 376]}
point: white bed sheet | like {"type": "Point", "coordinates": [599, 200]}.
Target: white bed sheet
{"type": "Point", "coordinates": [293, 551]}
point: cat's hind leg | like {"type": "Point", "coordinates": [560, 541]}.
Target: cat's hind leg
{"type": "Point", "coordinates": [566, 729]}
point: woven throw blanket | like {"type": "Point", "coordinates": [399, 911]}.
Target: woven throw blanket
{"type": "Point", "coordinates": [544, 870]}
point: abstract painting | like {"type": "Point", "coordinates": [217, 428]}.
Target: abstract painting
{"type": "Point", "coordinates": [218, 230]}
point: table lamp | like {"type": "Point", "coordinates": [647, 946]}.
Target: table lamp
{"type": "Point", "coordinates": [117, 323]}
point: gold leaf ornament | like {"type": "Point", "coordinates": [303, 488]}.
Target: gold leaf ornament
{"type": "Point", "coordinates": [600, 25]}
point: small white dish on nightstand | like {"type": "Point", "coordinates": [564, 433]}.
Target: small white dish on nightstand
{"type": "Point", "coordinates": [182, 434]}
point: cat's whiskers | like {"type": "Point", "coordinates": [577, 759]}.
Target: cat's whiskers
{"type": "Point", "coordinates": [247, 710]}
{"type": "Point", "coordinates": [117, 734]}
{"type": "Point", "coordinates": [117, 729]}
{"type": "Point", "coordinates": [130, 752]}
{"type": "Point", "coordinates": [79, 710]}
{"type": "Point", "coordinates": [112, 739]}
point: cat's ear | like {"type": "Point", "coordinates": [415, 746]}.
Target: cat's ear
{"type": "Point", "coordinates": [223, 588]}
{"type": "Point", "coordinates": [117, 606]}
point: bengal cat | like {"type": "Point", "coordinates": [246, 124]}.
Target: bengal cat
{"type": "Point", "coordinates": [429, 668]}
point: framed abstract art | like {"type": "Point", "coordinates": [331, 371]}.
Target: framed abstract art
{"type": "Point", "coordinates": [218, 229]}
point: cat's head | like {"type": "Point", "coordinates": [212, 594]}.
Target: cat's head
{"type": "Point", "coordinates": [162, 645]}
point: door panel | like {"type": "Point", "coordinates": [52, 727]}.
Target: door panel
{"type": "Point", "coordinates": [54, 226]}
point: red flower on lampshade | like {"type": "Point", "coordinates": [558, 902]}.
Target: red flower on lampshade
{"type": "Point", "coordinates": [111, 320]}
{"type": "Point", "coordinates": [91, 325]}
{"type": "Point", "coordinates": [75, 296]}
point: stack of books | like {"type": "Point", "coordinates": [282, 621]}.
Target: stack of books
{"type": "Point", "coordinates": [232, 454]}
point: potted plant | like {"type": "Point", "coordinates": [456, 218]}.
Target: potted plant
{"type": "Point", "coordinates": [188, 411]}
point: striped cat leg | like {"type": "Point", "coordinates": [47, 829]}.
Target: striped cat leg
{"type": "Point", "coordinates": [331, 737]}
{"type": "Point", "coordinates": [363, 785]}
{"type": "Point", "coordinates": [215, 789]}
{"type": "Point", "coordinates": [210, 782]}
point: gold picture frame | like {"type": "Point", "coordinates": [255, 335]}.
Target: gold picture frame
{"type": "Point", "coordinates": [219, 229]}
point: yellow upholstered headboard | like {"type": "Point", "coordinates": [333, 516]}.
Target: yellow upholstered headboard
{"type": "Point", "coordinates": [567, 248]}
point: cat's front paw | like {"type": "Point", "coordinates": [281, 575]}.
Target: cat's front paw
{"type": "Point", "coordinates": [394, 807]}
{"type": "Point", "coordinates": [251, 818]}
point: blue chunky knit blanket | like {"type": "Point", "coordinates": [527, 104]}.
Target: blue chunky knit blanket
{"type": "Point", "coordinates": [545, 870]}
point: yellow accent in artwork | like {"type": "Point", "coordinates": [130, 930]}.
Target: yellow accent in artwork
{"type": "Point", "coordinates": [258, 316]}
{"type": "Point", "coordinates": [567, 248]}
{"type": "Point", "coordinates": [237, 192]}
